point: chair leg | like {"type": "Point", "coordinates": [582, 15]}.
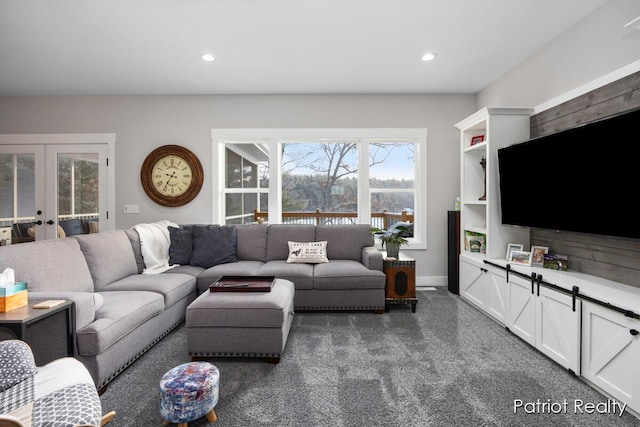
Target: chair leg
{"type": "Point", "coordinates": [106, 418]}
{"type": "Point", "coordinates": [211, 416]}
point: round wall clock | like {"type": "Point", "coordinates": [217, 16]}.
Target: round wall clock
{"type": "Point", "coordinates": [171, 175]}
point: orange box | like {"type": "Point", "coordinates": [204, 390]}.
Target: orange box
{"type": "Point", "coordinates": [13, 297]}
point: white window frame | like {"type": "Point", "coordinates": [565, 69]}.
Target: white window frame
{"type": "Point", "coordinates": [275, 137]}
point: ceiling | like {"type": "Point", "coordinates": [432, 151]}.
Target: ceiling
{"type": "Point", "coordinates": [96, 47]}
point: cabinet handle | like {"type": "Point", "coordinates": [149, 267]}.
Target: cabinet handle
{"type": "Point", "coordinates": [574, 293]}
{"type": "Point", "coordinates": [633, 332]}
{"type": "Point", "coordinates": [533, 281]}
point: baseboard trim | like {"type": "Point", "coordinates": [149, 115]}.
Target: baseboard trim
{"type": "Point", "coordinates": [423, 281]}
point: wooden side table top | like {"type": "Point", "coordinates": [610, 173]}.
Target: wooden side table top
{"type": "Point", "coordinates": [401, 257]}
{"type": "Point", "coordinates": [28, 314]}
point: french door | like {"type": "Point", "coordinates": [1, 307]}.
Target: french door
{"type": "Point", "coordinates": [51, 189]}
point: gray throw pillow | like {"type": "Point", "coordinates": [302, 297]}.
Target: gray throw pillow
{"type": "Point", "coordinates": [181, 246]}
{"type": "Point", "coordinates": [213, 245]}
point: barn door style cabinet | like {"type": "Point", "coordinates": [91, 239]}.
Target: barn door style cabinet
{"type": "Point", "coordinates": [611, 353]}
{"type": "Point", "coordinates": [546, 319]}
{"type": "Point", "coordinates": [485, 287]}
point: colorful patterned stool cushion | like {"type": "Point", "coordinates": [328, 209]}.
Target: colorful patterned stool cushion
{"type": "Point", "coordinates": [188, 392]}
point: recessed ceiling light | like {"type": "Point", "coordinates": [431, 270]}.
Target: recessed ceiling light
{"type": "Point", "coordinates": [207, 57]}
{"type": "Point", "coordinates": [428, 56]}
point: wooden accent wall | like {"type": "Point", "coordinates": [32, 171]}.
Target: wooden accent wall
{"type": "Point", "coordinates": [613, 258]}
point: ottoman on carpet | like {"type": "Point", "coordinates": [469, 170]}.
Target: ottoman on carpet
{"type": "Point", "coordinates": [241, 324]}
{"type": "Point", "coordinates": [188, 392]}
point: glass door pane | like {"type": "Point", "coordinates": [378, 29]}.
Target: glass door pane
{"type": "Point", "coordinates": [20, 203]}
{"type": "Point", "coordinates": [79, 194]}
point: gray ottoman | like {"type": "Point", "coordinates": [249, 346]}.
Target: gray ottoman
{"type": "Point", "coordinates": [241, 324]}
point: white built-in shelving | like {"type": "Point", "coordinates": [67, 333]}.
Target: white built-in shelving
{"type": "Point", "coordinates": [481, 135]}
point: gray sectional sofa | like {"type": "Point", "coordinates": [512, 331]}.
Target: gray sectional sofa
{"type": "Point", "coordinates": [120, 313]}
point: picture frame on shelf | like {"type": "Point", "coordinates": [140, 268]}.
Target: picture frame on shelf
{"type": "Point", "coordinates": [513, 247]}
{"type": "Point", "coordinates": [537, 254]}
{"type": "Point", "coordinates": [521, 258]}
{"type": "Point", "coordinates": [556, 262]}
{"type": "Point", "coordinates": [477, 139]}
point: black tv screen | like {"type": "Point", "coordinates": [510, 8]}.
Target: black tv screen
{"type": "Point", "coordinates": [584, 179]}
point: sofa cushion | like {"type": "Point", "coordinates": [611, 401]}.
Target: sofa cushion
{"type": "Point", "coordinates": [279, 236]}
{"type": "Point", "coordinates": [347, 274]}
{"type": "Point", "coordinates": [172, 287]}
{"type": "Point", "coordinates": [213, 244]}
{"type": "Point", "coordinates": [47, 266]}
{"type": "Point", "coordinates": [121, 313]}
{"type": "Point", "coordinates": [134, 239]}
{"type": "Point", "coordinates": [300, 274]}
{"type": "Point", "coordinates": [308, 252]}
{"type": "Point", "coordinates": [181, 246]}
{"type": "Point", "coordinates": [72, 227]}
{"type": "Point", "coordinates": [90, 225]}
{"type": "Point", "coordinates": [252, 242]}
{"type": "Point", "coordinates": [345, 241]}
{"type": "Point", "coordinates": [109, 256]}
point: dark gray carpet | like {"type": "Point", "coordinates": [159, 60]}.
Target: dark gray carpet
{"type": "Point", "coordinates": [447, 364]}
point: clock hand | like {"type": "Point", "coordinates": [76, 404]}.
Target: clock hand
{"type": "Point", "coordinates": [173, 175]}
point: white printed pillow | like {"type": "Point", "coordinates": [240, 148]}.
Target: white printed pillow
{"type": "Point", "coordinates": [308, 252]}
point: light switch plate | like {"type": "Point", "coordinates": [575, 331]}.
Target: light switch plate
{"type": "Point", "coordinates": [131, 209]}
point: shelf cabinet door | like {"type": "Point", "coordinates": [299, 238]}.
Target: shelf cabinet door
{"type": "Point", "coordinates": [484, 288]}
{"type": "Point", "coordinates": [522, 309]}
{"type": "Point", "coordinates": [610, 353]}
{"type": "Point", "coordinates": [558, 328]}
{"type": "Point", "coordinates": [474, 285]}
{"type": "Point", "coordinates": [497, 302]}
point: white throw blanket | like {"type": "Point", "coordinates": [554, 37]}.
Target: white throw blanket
{"type": "Point", "coordinates": [154, 244]}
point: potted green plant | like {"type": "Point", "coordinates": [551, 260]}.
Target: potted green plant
{"type": "Point", "coordinates": [393, 238]}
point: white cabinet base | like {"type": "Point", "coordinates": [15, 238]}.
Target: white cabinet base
{"type": "Point", "coordinates": [611, 353]}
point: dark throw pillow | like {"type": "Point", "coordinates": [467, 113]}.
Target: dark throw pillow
{"type": "Point", "coordinates": [213, 245]}
{"type": "Point", "coordinates": [181, 246]}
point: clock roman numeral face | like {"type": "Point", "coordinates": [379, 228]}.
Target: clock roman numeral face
{"type": "Point", "coordinates": [172, 176]}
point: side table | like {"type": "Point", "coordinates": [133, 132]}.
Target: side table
{"type": "Point", "coordinates": [49, 331]}
{"type": "Point", "coordinates": [401, 281]}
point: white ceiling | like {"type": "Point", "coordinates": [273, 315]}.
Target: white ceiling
{"type": "Point", "coordinates": [95, 47]}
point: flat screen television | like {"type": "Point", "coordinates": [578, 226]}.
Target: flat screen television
{"type": "Point", "coordinates": [585, 179]}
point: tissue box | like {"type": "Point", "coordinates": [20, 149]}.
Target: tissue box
{"type": "Point", "coordinates": [13, 297]}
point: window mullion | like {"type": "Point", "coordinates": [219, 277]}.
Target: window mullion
{"type": "Point", "coordinates": [364, 194]}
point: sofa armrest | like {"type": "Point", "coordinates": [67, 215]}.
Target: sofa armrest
{"type": "Point", "coordinates": [85, 304]}
{"type": "Point", "coordinates": [372, 258]}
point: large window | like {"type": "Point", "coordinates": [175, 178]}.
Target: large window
{"type": "Point", "coordinates": [322, 176]}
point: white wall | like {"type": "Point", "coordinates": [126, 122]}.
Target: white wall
{"type": "Point", "coordinates": [142, 123]}
{"type": "Point", "coordinates": [596, 46]}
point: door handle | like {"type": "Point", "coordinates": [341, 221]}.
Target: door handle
{"type": "Point", "coordinates": [633, 332]}
{"type": "Point", "coordinates": [50, 222]}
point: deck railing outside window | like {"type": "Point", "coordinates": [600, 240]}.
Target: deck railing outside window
{"type": "Point", "coordinates": [378, 219]}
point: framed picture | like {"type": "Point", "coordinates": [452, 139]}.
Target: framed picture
{"type": "Point", "coordinates": [521, 258]}
{"type": "Point", "coordinates": [537, 254]}
{"type": "Point", "coordinates": [513, 247]}
{"type": "Point", "coordinates": [477, 139]}
{"type": "Point", "coordinates": [556, 262]}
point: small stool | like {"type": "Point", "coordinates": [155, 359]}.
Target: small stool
{"type": "Point", "coordinates": [188, 392]}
